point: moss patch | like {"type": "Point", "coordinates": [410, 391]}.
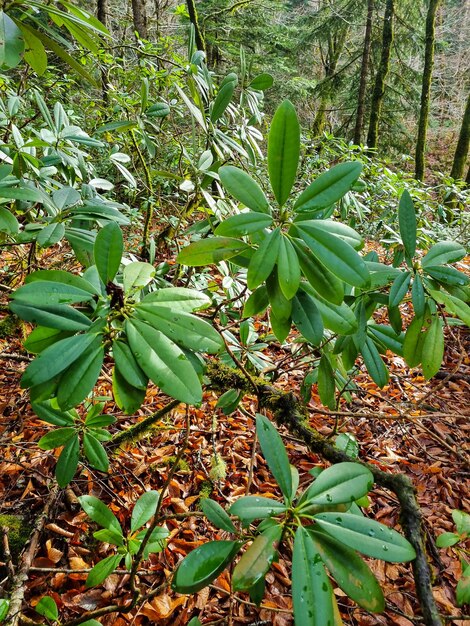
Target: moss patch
{"type": "Point", "coordinates": [18, 534]}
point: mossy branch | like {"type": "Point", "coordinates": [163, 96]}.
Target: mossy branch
{"type": "Point", "coordinates": [139, 430]}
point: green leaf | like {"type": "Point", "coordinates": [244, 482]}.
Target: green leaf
{"type": "Point", "coordinates": [283, 151]}
{"type": "Point", "coordinates": [264, 259]}
{"type": "Point", "coordinates": [338, 318]}
{"type": "Point", "coordinates": [4, 608]}
{"type": "Point", "coordinates": [56, 438]}
{"type": "Point", "coordinates": [8, 222]}
{"type": "Point", "coordinates": [28, 194]}
{"type": "Point", "coordinates": [163, 362]}
{"type": "Point", "coordinates": [455, 306]}
{"type": "Point", "coordinates": [256, 561]}
{"type": "Point", "coordinates": [311, 588]}
{"type": "Point", "coordinates": [281, 306]}
{"type": "Point", "coordinates": [321, 279]}
{"type": "Point", "coordinates": [374, 363]}
{"type": "Point", "coordinates": [446, 540]}
{"type": "Point", "coordinates": [413, 342]}
{"type": "Point", "coordinates": [340, 483]}
{"type": "Point", "coordinates": [243, 224]}
{"type": "Point", "coordinates": [261, 82]}
{"type": "Point", "coordinates": [307, 318]}
{"type": "Point", "coordinates": [329, 187]}
{"type": "Point", "coordinates": [463, 588]}
{"type": "Point", "coordinates": [99, 513]}
{"type": "Point", "coordinates": [68, 462]}
{"type": "Point", "coordinates": [79, 379]}
{"type": "Point", "coordinates": [367, 536]}
{"type": "Point", "coordinates": [48, 608]}
{"type": "Point", "coordinates": [349, 570]}
{"type": "Point", "coordinates": [137, 275]}
{"type": "Point", "coordinates": [51, 414]}
{"type": "Point", "coordinates": [399, 289]}
{"type": "Point", "coordinates": [280, 326]}
{"type": "Point", "coordinates": [326, 383]}
{"type": "Point", "coordinates": [159, 109]}
{"type": "Point", "coordinates": [95, 453]}
{"type": "Point", "coordinates": [144, 509]}
{"type": "Point", "coordinates": [443, 252]}
{"type": "Point", "coordinates": [127, 365]}
{"type": "Point", "coordinates": [257, 303]}
{"type": "Point", "coordinates": [102, 570]}
{"type": "Point", "coordinates": [217, 515]}
{"type": "Point", "coordinates": [183, 328]}
{"type": "Point", "coordinates": [250, 508]}
{"type": "Point", "coordinates": [203, 565]}
{"type": "Point", "coordinates": [61, 278]}
{"type": "Point", "coordinates": [11, 42]}
{"type": "Point", "coordinates": [47, 292]}
{"type": "Point", "coordinates": [447, 275]}
{"type": "Point", "coordinates": [418, 297]}
{"type": "Point", "coordinates": [55, 359]}
{"type": "Point", "coordinates": [108, 251]}
{"type": "Point", "coordinates": [109, 536]}
{"type": "Point", "coordinates": [461, 521]}
{"type": "Point", "coordinates": [178, 298]}
{"type": "Point", "coordinates": [209, 251]}
{"type": "Point", "coordinates": [288, 268]}
{"type": "Point", "coordinates": [386, 338]}
{"type": "Point", "coordinates": [34, 53]}
{"type": "Point", "coordinates": [242, 187]}
{"type": "Point", "coordinates": [433, 348]}
{"type": "Point", "coordinates": [57, 316]}
{"type": "Point", "coordinates": [50, 235]}
{"type": "Point", "coordinates": [275, 454]}
{"type": "Point", "coordinates": [223, 97]}
{"type": "Point", "coordinates": [337, 255]}
{"type": "Point", "coordinates": [347, 443]}
{"type": "Point", "coordinates": [156, 541]}
{"type": "Point", "coordinates": [344, 232]}
{"type": "Point", "coordinates": [128, 398]}
{"type": "Point", "coordinates": [407, 223]}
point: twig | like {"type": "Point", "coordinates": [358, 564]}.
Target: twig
{"type": "Point", "coordinates": [7, 553]}
{"type": "Point", "coordinates": [261, 606]}
{"type": "Point", "coordinates": [14, 356]}
{"type": "Point", "coordinates": [144, 426]}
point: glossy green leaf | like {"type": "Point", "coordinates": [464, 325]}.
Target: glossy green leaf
{"type": "Point", "coordinates": [338, 318]}
{"type": "Point", "coordinates": [281, 306]}
{"type": "Point", "coordinates": [399, 289]}
{"type": "Point", "coordinates": [319, 277]}
{"type": "Point", "coordinates": [413, 342]}
{"type": "Point", "coordinates": [264, 259]}
{"type": "Point", "coordinates": [223, 98]}
{"type": "Point", "coordinates": [137, 275]}
{"type": "Point", "coordinates": [4, 608]}
{"type": "Point", "coordinates": [156, 542]}
{"type": "Point", "coordinates": [56, 438]}
{"type": "Point", "coordinates": [41, 338]}
{"type": "Point", "coordinates": [243, 224]}
{"type": "Point", "coordinates": [144, 509]}
{"type": "Point", "coordinates": [242, 187]}
{"type": "Point", "coordinates": [447, 275]}
{"type": "Point", "coordinates": [68, 462]}
{"type": "Point", "coordinates": [159, 109]}
{"type": "Point", "coordinates": [367, 536]}
{"type": "Point", "coordinates": [50, 235]}
{"type": "Point", "coordinates": [11, 42]}
{"type": "Point", "coordinates": [283, 150]}
{"type": "Point", "coordinates": [49, 412]}
{"type": "Point", "coordinates": [47, 292]}
{"type": "Point", "coordinates": [407, 223]}
{"type": "Point", "coordinates": [418, 297]}
{"type": "Point", "coordinates": [340, 483]}
{"type": "Point", "coordinates": [307, 318]}
{"type": "Point", "coordinates": [34, 52]}
{"type": "Point", "coordinates": [386, 338]}
{"type": "Point", "coordinates": [95, 453]}
{"type": "Point", "coordinates": [185, 329]}
{"type": "Point", "coordinates": [462, 591]}
{"type": "Point", "coordinates": [8, 222]}
{"type": "Point", "coordinates": [443, 252]}
{"type": "Point", "coordinates": [102, 570]}
{"type": "Point", "coordinates": [99, 513]}
{"type": "Point", "coordinates": [261, 82]}
{"type": "Point", "coordinates": [329, 187]}
{"type": "Point", "coordinates": [280, 326]}
{"type": "Point", "coordinates": [209, 251]}
{"type": "Point", "coordinates": [349, 570]}
{"type": "Point", "coordinates": [257, 303]}
{"type": "Point", "coordinates": [109, 536]}
{"type": "Point", "coordinates": [311, 589]}
{"type": "Point", "coordinates": [48, 608]}
{"type": "Point", "coordinates": [62, 280]}
{"type": "Point", "coordinates": [127, 365]}
{"type": "Point", "coordinates": [337, 255]}
{"type": "Point", "coordinates": [275, 454]}
{"type": "Point", "coordinates": [461, 521]}
{"type": "Point", "coordinates": [288, 268]}
{"type": "Point", "coordinates": [163, 362]}
{"type": "Point", "coordinates": [446, 540]}
{"type": "Point", "coordinates": [108, 251]}
{"type": "Point", "coordinates": [257, 559]}
{"type": "Point", "coordinates": [433, 348]}
{"type": "Point", "coordinates": [55, 359]}
{"type": "Point", "coordinates": [250, 508]}
{"type": "Point", "coordinates": [28, 194]}
{"type": "Point", "coordinates": [178, 298]}
{"type": "Point", "coordinates": [217, 515]}
{"type": "Point", "coordinates": [203, 565]}
{"type": "Point", "coordinates": [344, 232]}
{"type": "Point", "coordinates": [79, 379]}
{"type": "Point", "coordinates": [455, 306]}
{"type": "Point", "coordinates": [326, 383]}
{"type": "Point", "coordinates": [374, 363]}
{"type": "Point", "coordinates": [347, 443]}
{"type": "Point", "coordinates": [128, 398]}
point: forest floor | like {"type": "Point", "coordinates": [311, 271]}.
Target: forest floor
{"type": "Point", "coordinates": [417, 427]}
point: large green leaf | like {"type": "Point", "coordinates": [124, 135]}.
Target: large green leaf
{"type": "Point", "coordinates": [443, 252]}
{"type": "Point", "coordinates": [264, 259]}
{"type": "Point", "coordinates": [326, 383]}
{"type": "Point", "coordinates": [55, 359]}
{"type": "Point", "coordinates": [50, 235]}
{"type": "Point", "coordinates": [256, 561]}
{"type": "Point", "coordinates": [11, 42]}
{"type": "Point", "coordinates": [34, 53]}
{"type": "Point", "coordinates": [349, 570]}
{"type": "Point", "coordinates": [367, 536]}
{"type": "Point", "coordinates": [288, 268]}
{"type": "Point", "coordinates": [454, 305]}
{"type": "Point", "coordinates": [399, 289]}
{"type": "Point", "coordinates": [178, 298]}
{"type": "Point", "coordinates": [243, 224]}
{"type": "Point", "coordinates": [217, 515]}
{"type": "Point", "coordinates": [163, 362]}
{"type": "Point", "coordinates": [337, 255]}
{"type": "Point", "coordinates": [127, 365]}
{"type": "Point", "coordinates": [209, 251]}
{"type": "Point", "coordinates": [244, 189]}
{"type": "Point", "coordinates": [261, 82]}
{"type": "Point", "coordinates": [63, 278]}
{"type": "Point", "coordinates": [275, 454]}
{"type": "Point", "coordinates": [95, 453]}
{"type": "Point", "coordinates": [283, 150]}
{"type": "Point", "coordinates": [447, 275]}
{"type": "Point", "coordinates": [144, 509]}
{"type": "Point", "coordinates": [418, 297]}
{"type": "Point", "coordinates": [137, 275]}
{"type": "Point", "coordinates": [374, 363]}
{"type": "Point", "coordinates": [99, 513]}
{"type": "Point", "coordinates": [224, 96]}
{"type": "Point", "coordinates": [329, 187]}
{"type": "Point", "coordinates": [49, 412]}
{"type": "Point", "coordinates": [57, 316]}
{"type": "Point", "coordinates": [108, 251]}
{"type": "Point", "coordinates": [103, 569]}
{"type": "Point", "coordinates": [48, 608]}
{"type": "Point", "coordinates": [41, 338]}
{"type": "Point", "coordinates": [79, 379]}
{"type": "Point", "coordinates": [407, 223]}
{"type": "Point", "coordinates": [8, 222]}
{"type": "Point", "coordinates": [413, 342]}
{"type": "Point", "coordinates": [386, 338]}
{"type": "Point", "coordinates": [56, 438]}
{"type": "Point", "coordinates": [338, 318]}
{"type": "Point", "coordinates": [307, 318]}
{"type": "Point", "coordinates": [46, 292]}
{"type": "Point", "coordinates": [68, 462]}
{"type": "Point", "coordinates": [203, 565]}
{"type": "Point", "coordinates": [319, 277]}
{"type": "Point", "coordinates": [311, 588]}
{"type": "Point", "coordinates": [280, 305]}
{"type": "Point", "coordinates": [128, 398]}
{"type": "Point", "coordinates": [344, 232]}
{"type": "Point", "coordinates": [340, 483]}
{"type": "Point", "coordinates": [183, 328]}
{"type": "Point", "coordinates": [433, 348]}
{"type": "Point", "coordinates": [250, 508]}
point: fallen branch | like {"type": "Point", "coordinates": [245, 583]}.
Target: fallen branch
{"type": "Point", "coordinates": [141, 428]}
{"type": "Point", "coordinates": [288, 412]}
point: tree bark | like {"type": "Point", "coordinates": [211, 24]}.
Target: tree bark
{"type": "Point", "coordinates": [139, 15]}
{"type": "Point", "coordinates": [461, 150]}
{"type": "Point", "coordinates": [361, 96]}
{"type": "Point", "coordinates": [426, 88]}
{"type": "Point", "coordinates": [379, 87]}
{"type": "Point", "coordinates": [102, 11]}
{"type": "Point", "coordinates": [199, 37]}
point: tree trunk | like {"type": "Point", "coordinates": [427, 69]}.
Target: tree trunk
{"type": "Point", "coordinates": [200, 43]}
{"type": "Point", "coordinates": [379, 87]}
{"type": "Point", "coordinates": [102, 11]}
{"type": "Point", "coordinates": [426, 88]}
{"type": "Point", "coordinates": [361, 96]}
{"type": "Point", "coordinates": [139, 15]}
{"type": "Point", "coordinates": [461, 150]}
